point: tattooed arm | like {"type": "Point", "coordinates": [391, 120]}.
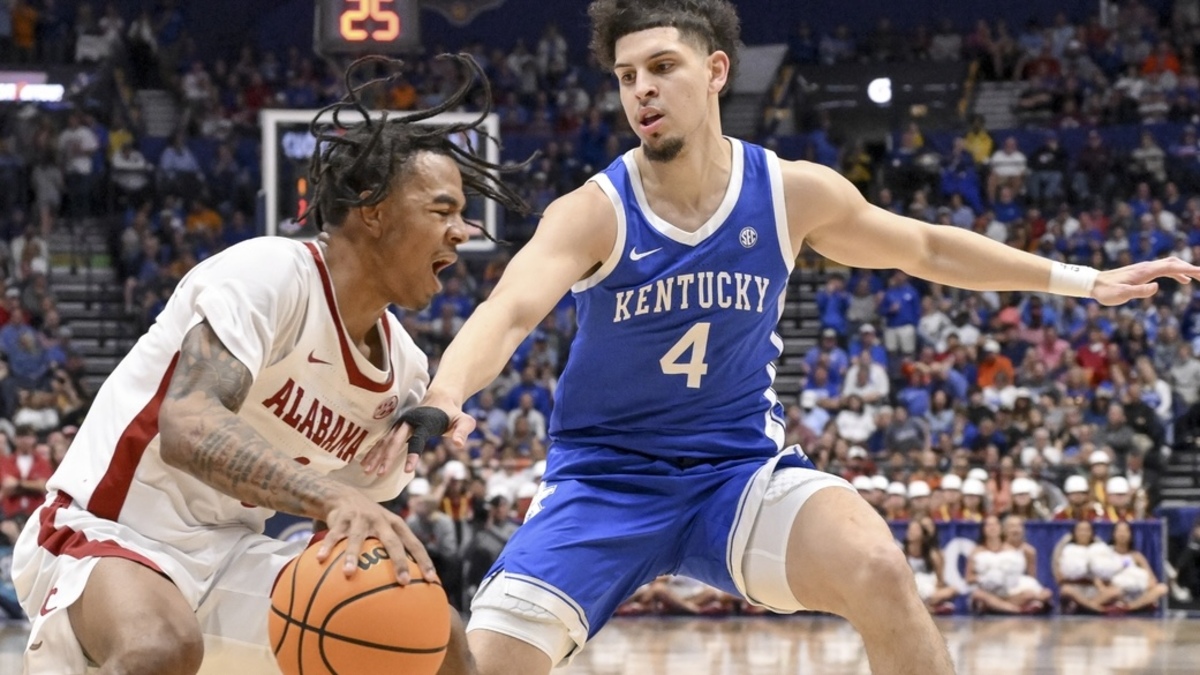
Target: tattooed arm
{"type": "Point", "coordinates": [202, 434]}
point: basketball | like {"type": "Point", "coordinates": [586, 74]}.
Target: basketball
{"type": "Point", "coordinates": [323, 623]}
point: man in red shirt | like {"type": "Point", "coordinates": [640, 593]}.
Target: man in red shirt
{"type": "Point", "coordinates": [23, 476]}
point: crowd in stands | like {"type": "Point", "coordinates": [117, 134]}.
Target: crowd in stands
{"type": "Point", "coordinates": [940, 405]}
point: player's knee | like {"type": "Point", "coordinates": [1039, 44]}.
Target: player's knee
{"type": "Point", "coordinates": [170, 650]}
{"type": "Point", "coordinates": [883, 573]}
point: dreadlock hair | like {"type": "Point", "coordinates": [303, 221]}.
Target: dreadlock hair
{"type": "Point", "coordinates": [710, 25]}
{"type": "Point", "coordinates": [354, 164]}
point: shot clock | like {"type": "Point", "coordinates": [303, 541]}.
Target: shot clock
{"type": "Point", "coordinates": [366, 27]}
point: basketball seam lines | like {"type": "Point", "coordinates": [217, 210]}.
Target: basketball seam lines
{"type": "Point", "coordinates": [291, 565]}
{"type": "Point", "coordinates": [323, 631]}
{"type": "Point", "coordinates": [312, 599]}
{"type": "Point", "coordinates": [355, 641]}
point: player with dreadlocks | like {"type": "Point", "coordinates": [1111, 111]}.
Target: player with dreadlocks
{"type": "Point", "coordinates": [271, 371]}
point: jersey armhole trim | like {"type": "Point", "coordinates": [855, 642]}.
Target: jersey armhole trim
{"type": "Point", "coordinates": [605, 184]}
{"type": "Point", "coordinates": [782, 231]}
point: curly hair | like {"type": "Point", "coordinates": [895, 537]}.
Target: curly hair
{"type": "Point", "coordinates": [354, 164]}
{"type": "Point", "coordinates": [711, 25]}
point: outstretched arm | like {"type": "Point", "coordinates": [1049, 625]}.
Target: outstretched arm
{"type": "Point", "coordinates": [828, 213]}
{"type": "Point", "coordinates": [576, 235]}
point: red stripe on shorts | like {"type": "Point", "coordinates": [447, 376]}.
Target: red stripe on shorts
{"type": "Point", "coordinates": [109, 497]}
{"type": "Point", "coordinates": [61, 541]}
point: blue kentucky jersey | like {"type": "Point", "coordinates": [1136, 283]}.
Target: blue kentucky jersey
{"type": "Point", "coordinates": [673, 357]}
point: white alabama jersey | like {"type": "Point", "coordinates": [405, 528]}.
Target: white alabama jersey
{"type": "Point", "coordinates": [315, 397]}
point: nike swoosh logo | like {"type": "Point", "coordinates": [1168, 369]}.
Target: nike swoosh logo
{"type": "Point", "coordinates": [313, 359]}
{"type": "Point", "coordinates": [635, 256]}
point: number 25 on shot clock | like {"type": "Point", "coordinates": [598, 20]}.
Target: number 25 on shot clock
{"type": "Point", "coordinates": [366, 26]}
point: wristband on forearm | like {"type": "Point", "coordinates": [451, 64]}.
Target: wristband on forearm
{"type": "Point", "coordinates": [1072, 280]}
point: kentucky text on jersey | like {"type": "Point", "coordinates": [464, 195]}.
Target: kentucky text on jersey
{"type": "Point", "coordinates": [745, 292]}
{"type": "Point", "coordinates": [676, 342]}
{"type": "Point", "coordinates": [324, 428]}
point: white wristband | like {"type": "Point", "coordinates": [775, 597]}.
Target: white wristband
{"type": "Point", "coordinates": [1072, 280]}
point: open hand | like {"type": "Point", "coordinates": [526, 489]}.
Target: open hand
{"type": "Point", "coordinates": [1115, 287]}
{"type": "Point", "coordinates": [354, 518]}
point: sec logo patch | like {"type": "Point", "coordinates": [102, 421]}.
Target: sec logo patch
{"type": "Point", "coordinates": [387, 407]}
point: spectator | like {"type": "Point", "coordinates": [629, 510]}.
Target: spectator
{"type": "Point", "coordinates": [1139, 588]}
{"type": "Point", "coordinates": [131, 175]}
{"type": "Point", "coordinates": [1148, 161]}
{"type": "Point", "coordinates": [1185, 376]}
{"type": "Point", "coordinates": [76, 146]}
{"type": "Point", "coordinates": [488, 541]}
{"type": "Point", "coordinates": [1098, 474]}
{"type": "Point", "coordinates": [861, 309]}
{"type": "Point", "coordinates": [838, 47]}
{"type": "Point", "coordinates": [854, 423]}
{"type": "Point", "coordinates": [974, 500]}
{"type": "Point", "coordinates": [23, 477]}
{"type": "Point", "coordinates": [867, 380]}
{"type": "Point", "coordinates": [815, 418]}
{"type": "Point", "coordinates": [979, 142]}
{"type": "Point", "coordinates": [803, 48]}
{"type": "Point", "coordinates": [895, 502]}
{"type": "Point", "coordinates": [925, 560]}
{"type": "Point", "coordinates": [1094, 165]}
{"type": "Point", "coordinates": [947, 43]}
{"type": "Point", "coordinates": [1047, 171]}
{"type": "Point", "coordinates": [991, 363]}
{"type": "Point", "coordinates": [1024, 501]}
{"type": "Point", "coordinates": [919, 500]}
{"type": "Point", "coordinates": [867, 342]}
{"type": "Point", "coordinates": [1077, 585]}
{"type": "Point", "coordinates": [832, 303]}
{"type": "Point", "coordinates": [491, 421]}
{"type": "Point", "coordinates": [1119, 502]}
{"type": "Point", "coordinates": [831, 356]}
{"type": "Point", "coordinates": [901, 310]}
{"type": "Point", "coordinates": [526, 411]}
{"type": "Point", "coordinates": [1008, 168]}
{"type": "Point", "coordinates": [435, 530]}
{"type": "Point", "coordinates": [905, 434]}
{"type": "Point", "coordinates": [178, 168]}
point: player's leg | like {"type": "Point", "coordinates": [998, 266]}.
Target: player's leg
{"type": "Point", "coordinates": [132, 620]}
{"type": "Point", "coordinates": [499, 654]}
{"type": "Point", "coordinates": [841, 558]}
{"type": "Point", "coordinates": [584, 549]}
{"type": "Point", "coordinates": [458, 655]}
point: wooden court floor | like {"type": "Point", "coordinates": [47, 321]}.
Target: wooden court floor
{"type": "Point", "coordinates": [820, 646]}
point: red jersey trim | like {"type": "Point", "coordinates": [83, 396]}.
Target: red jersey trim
{"type": "Point", "coordinates": [357, 377]}
{"type": "Point", "coordinates": [60, 541]}
{"type": "Point", "coordinates": [109, 497]}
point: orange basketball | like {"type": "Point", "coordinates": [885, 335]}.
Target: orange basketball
{"type": "Point", "coordinates": [322, 623]}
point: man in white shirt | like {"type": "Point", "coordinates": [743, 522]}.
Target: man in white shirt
{"type": "Point", "coordinates": [76, 145]}
{"type": "Point", "coordinates": [867, 380]}
{"type": "Point", "coordinates": [1008, 168]}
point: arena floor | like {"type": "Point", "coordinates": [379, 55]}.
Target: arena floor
{"type": "Point", "coordinates": [822, 646]}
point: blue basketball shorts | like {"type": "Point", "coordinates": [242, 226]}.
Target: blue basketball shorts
{"type": "Point", "coordinates": [606, 522]}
